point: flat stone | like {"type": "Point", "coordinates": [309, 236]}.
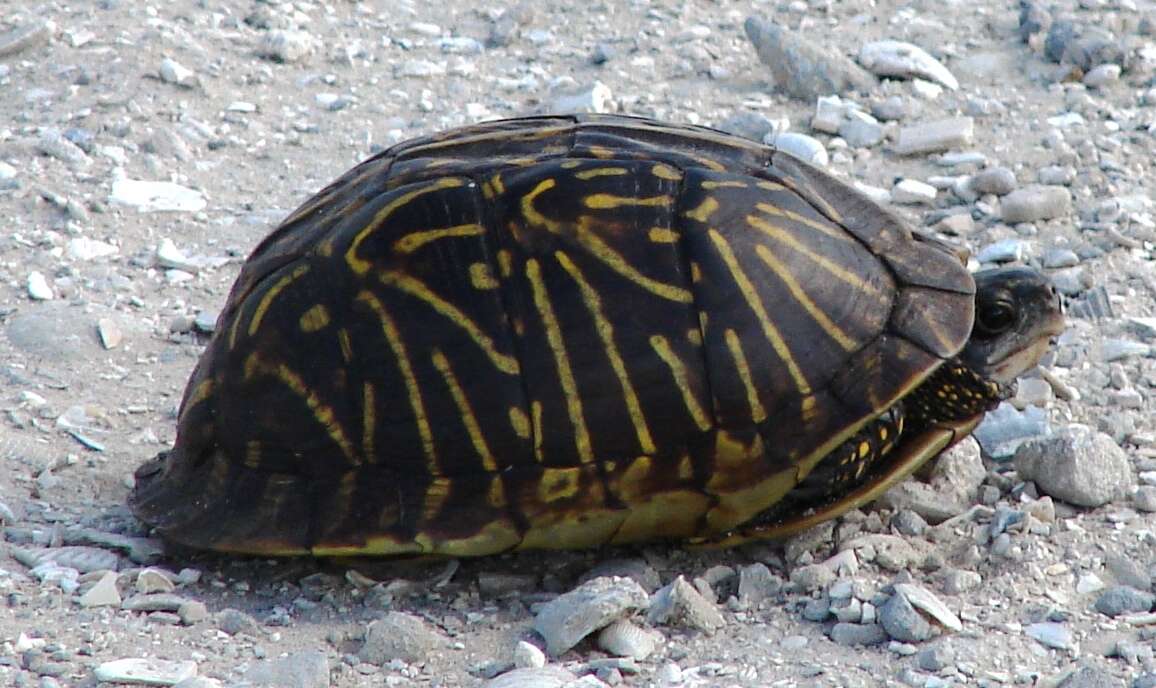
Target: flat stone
{"type": "Point", "coordinates": [549, 676]}
{"type": "Point", "coordinates": [1035, 203]}
{"type": "Point", "coordinates": [852, 634]}
{"type": "Point", "coordinates": [528, 656]}
{"type": "Point", "coordinates": [150, 196]}
{"type": "Point", "coordinates": [937, 136]}
{"type": "Point", "coordinates": [1078, 465]}
{"type": "Point", "coordinates": [146, 672]}
{"type": "Point", "coordinates": [1050, 634]}
{"type": "Point", "coordinates": [566, 620]}
{"type": "Point", "coordinates": [902, 622]}
{"type": "Point", "coordinates": [103, 594]}
{"type": "Point", "coordinates": [757, 583]}
{"type": "Point", "coordinates": [299, 669]}
{"type": "Point", "coordinates": [926, 601]}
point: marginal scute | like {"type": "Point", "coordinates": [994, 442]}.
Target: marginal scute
{"type": "Point", "coordinates": [879, 374]}
{"type": "Point", "coordinates": [938, 322]}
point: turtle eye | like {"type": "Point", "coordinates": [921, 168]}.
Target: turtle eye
{"type": "Point", "coordinates": [995, 318]}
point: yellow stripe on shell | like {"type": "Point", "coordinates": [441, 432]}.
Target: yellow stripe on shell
{"type": "Point", "coordinates": [520, 422]}
{"type": "Point", "coordinates": [346, 344]}
{"type": "Point", "coordinates": [561, 360]}
{"type": "Point", "coordinates": [531, 214]}
{"type": "Point", "coordinates": [595, 172]}
{"type": "Point", "coordinates": [415, 240]}
{"type": "Point", "coordinates": [418, 289]}
{"type": "Point", "coordinates": [322, 413]}
{"type": "Point", "coordinates": [614, 260]}
{"type": "Point", "coordinates": [817, 314]}
{"type": "Point", "coordinates": [606, 333]}
{"type": "Point", "coordinates": [481, 277]}
{"type": "Point", "coordinates": [401, 356]}
{"type": "Point", "coordinates": [368, 422]}
{"type": "Point", "coordinates": [666, 172]}
{"type": "Point", "coordinates": [314, 319]}
{"type": "Point", "coordinates": [838, 271]}
{"type": "Point", "coordinates": [605, 201]}
{"type": "Point", "coordinates": [755, 303]}
{"type": "Point", "coordinates": [360, 266]}
{"type": "Point", "coordinates": [469, 419]}
{"type": "Point", "coordinates": [662, 235]}
{"type": "Point", "coordinates": [758, 413]}
{"type": "Point", "coordinates": [704, 210]}
{"type": "Point", "coordinates": [267, 299]}
{"type": "Point", "coordinates": [678, 371]}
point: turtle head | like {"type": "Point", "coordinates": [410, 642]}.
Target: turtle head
{"type": "Point", "coordinates": [1017, 315]}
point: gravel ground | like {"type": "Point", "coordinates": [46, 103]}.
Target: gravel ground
{"type": "Point", "coordinates": [1028, 136]}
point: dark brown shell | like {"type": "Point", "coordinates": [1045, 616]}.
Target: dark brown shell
{"type": "Point", "coordinates": [548, 332]}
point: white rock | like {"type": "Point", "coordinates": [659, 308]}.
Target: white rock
{"type": "Point", "coordinates": [103, 594]}
{"type": "Point", "coordinates": [148, 196]}
{"type": "Point", "coordinates": [420, 69]}
{"type": "Point", "coordinates": [624, 639]}
{"type": "Point", "coordinates": [152, 580]}
{"type": "Point", "coordinates": [1066, 120]}
{"type": "Point", "coordinates": [926, 601]}
{"type": "Point", "coordinates": [83, 248]}
{"type": "Point", "coordinates": [567, 619]}
{"type": "Point", "coordinates": [1102, 75]}
{"type": "Point", "coordinates": [803, 147]}
{"type": "Point", "coordinates": [906, 61]}
{"type": "Point", "coordinates": [174, 72]}
{"type": "Point", "coordinates": [880, 196]}
{"type": "Point", "coordinates": [428, 29]}
{"type": "Point", "coordinates": [38, 287]}
{"type": "Point", "coordinates": [149, 672]}
{"type": "Point", "coordinates": [913, 191]}
{"type": "Point", "coordinates": [169, 256]}
{"type": "Point", "coordinates": [829, 114]}
{"type": "Point", "coordinates": [528, 656]}
{"type": "Point", "coordinates": [286, 46]}
{"type": "Point", "coordinates": [597, 98]}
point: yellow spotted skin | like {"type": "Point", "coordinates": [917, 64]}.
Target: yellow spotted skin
{"type": "Point", "coordinates": [556, 332]}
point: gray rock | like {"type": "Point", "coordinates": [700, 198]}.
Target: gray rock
{"type": "Point", "coordinates": [1006, 428]}
{"type": "Point", "coordinates": [1121, 599]}
{"type": "Point", "coordinates": [861, 130]}
{"type": "Point", "coordinates": [902, 622]}
{"type": "Point", "coordinates": [1003, 251]}
{"type": "Point", "coordinates": [1050, 634]}
{"type": "Point", "coordinates": [1057, 175]}
{"type": "Point", "coordinates": [198, 682]}
{"type": "Point", "coordinates": [1089, 676]}
{"type": "Point", "coordinates": [801, 68]}
{"type": "Point", "coordinates": [757, 583]}
{"type": "Point", "coordinates": [849, 634]}
{"type": "Point", "coordinates": [566, 620]}
{"type": "Point", "coordinates": [817, 609]}
{"type": "Point", "coordinates": [1145, 498]}
{"type": "Point", "coordinates": [750, 125]}
{"type": "Point", "coordinates": [636, 569]}
{"type": "Point", "coordinates": [892, 109]}
{"type": "Point", "coordinates": [812, 577]}
{"type": "Point", "coordinates": [1078, 465]}
{"type": "Point", "coordinates": [549, 676]}
{"type": "Point", "coordinates": [54, 144]}
{"type": "Point", "coordinates": [299, 669]}
{"type": "Point", "coordinates": [955, 479]}
{"type": "Point", "coordinates": [192, 611]}
{"type": "Point", "coordinates": [234, 621]}
{"type": "Point", "coordinates": [680, 603]}
{"type": "Point", "coordinates": [286, 46]}
{"type": "Point", "coordinates": [103, 594]}
{"type": "Point", "coordinates": [932, 137]}
{"type": "Point", "coordinates": [1128, 571]}
{"type": "Point", "coordinates": [995, 180]}
{"type": "Point", "coordinates": [1060, 258]}
{"type": "Point", "coordinates": [1117, 349]}
{"type": "Point", "coordinates": [1102, 76]}
{"type": "Point", "coordinates": [935, 658]}
{"type": "Point", "coordinates": [1034, 203]}
{"type": "Point", "coordinates": [398, 636]}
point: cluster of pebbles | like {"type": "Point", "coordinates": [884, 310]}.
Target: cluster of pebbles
{"type": "Point", "coordinates": [146, 148]}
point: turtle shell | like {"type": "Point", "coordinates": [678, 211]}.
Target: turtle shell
{"type": "Point", "coordinates": [549, 332]}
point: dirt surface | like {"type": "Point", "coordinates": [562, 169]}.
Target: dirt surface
{"type": "Point", "coordinates": [90, 377]}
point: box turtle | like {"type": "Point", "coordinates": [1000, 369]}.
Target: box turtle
{"type": "Point", "coordinates": [562, 332]}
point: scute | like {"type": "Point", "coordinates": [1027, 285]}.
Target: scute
{"type": "Point", "coordinates": [544, 333]}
